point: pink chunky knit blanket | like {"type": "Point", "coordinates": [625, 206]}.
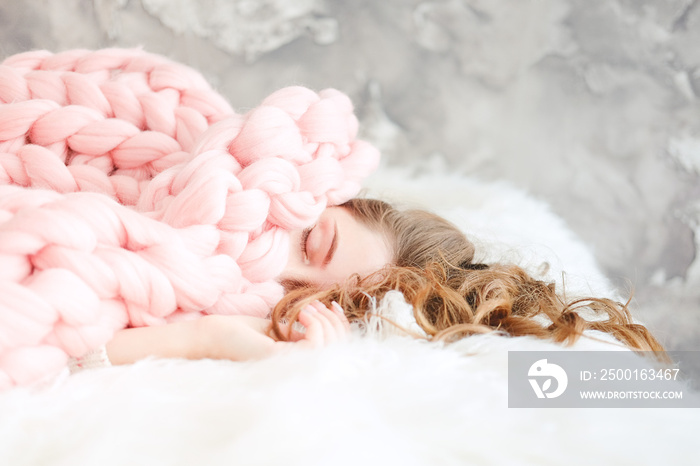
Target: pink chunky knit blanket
{"type": "Point", "coordinates": [132, 194]}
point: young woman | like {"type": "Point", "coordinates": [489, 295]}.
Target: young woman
{"type": "Point", "coordinates": [357, 253]}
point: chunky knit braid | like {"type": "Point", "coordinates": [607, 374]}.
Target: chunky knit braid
{"type": "Point", "coordinates": [131, 194]}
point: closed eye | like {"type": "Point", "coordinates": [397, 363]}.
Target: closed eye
{"type": "Point", "coordinates": [334, 246]}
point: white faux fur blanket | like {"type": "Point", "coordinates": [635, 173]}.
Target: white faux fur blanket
{"type": "Point", "coordinates": [368, 402]}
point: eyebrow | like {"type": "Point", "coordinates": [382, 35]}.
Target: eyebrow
{"type": "Point", "coordinates": [334, 245]}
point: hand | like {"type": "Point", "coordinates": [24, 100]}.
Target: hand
{"type": "Point", "coordinates": [323, 325]}
{"type": "Point", "coordinates": [214, 336]}
{"type": "Point", "coordinates": [239, 338]}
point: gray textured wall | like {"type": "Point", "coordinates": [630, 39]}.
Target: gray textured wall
{"type": "Point", "coordinates": [591, 105]}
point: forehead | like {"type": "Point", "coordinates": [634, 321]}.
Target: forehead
{"type": "Point", "coordinates": [367, 222]}
{"type": "Point", "coordinates": [378, 216]}
{"type": "Point", "coordinates": [362, 247]}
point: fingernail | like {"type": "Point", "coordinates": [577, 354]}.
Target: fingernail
{"type": "Point", "coordinates": [309, 309]}
{"type": "Point", "coordinates": [337, 308]}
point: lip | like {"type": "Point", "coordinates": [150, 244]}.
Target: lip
{"type": "Point", "coordinates": [319, 242]}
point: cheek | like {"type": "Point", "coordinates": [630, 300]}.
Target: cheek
{"type": "Point", "coordinates": [362, 261]}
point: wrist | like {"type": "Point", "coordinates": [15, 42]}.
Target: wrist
{"type": "Point", "coordinates": [202, 341]}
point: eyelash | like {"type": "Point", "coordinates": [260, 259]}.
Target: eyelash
{"type": "Point", "coordinates": [304, 237]}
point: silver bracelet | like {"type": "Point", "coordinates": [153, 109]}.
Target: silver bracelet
{"type": "Point", "coordinates": [90, 360]}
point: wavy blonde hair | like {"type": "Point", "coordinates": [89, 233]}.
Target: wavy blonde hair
{"type": "Point", "coordinates": [453, 297]}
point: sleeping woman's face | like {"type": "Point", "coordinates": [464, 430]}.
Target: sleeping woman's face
{"type": "Point", "coordinates": [334, 249]}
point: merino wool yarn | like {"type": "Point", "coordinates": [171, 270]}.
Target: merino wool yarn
{"type": "Point", "coordinates": [132, 194]}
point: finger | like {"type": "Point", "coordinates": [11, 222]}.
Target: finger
{"type": "Point", "coordinates": [336, 316]}
{"type": "Point", "coordinates": [292, 333]}
{"type": "Point", "coordinates": [341, 313]}
{"type": "Point", "coordinates": [314, 336]}
{"type": "Point", "coordinates": [329, 320]}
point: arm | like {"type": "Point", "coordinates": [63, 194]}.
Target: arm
{"type": "Point", "coordinates": [238, 338]}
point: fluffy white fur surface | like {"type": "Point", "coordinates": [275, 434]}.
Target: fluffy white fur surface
{"type": "Point", "coordinates": [391, 402]}
{"type": "Point", "coordinates": [375, 401]}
